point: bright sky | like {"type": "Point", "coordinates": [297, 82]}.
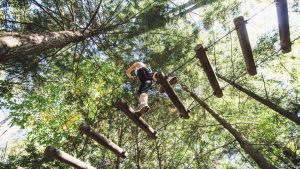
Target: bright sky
{"type": "Point", "coordinates": [8, 134]}
{"type": "Point", "coordinates": [263, 22]}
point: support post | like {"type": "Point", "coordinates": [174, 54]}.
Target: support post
{"type": "Point", "coordinates": [172, 95]}
{"type": "Point", "coordinates": [283, 24]}
{"type": "Point", "coordinates": [53, 153]}
{"type": "Point", "coordinates": [210, 74]}
{"type": "Point", "coordinates": [242, 33]}
{"type": "Point", "coordinates": [123, 106]}
{"type": "Point", "coordinates": [99, 138]}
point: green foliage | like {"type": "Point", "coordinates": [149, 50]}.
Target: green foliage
{"type": "Point", "coordinates": [31, 157]}
{"type": "Point", "coordinates": [52, 93]}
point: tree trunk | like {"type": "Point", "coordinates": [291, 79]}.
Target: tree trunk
{"type": "Point", "coordinates": [138, 150]}
{"type": "Point", "coordinates": [180, 8]}
{"type": "Point", "coordinates": [289, 154]}
{"type": "Point", "coordinates": [157, 147]}
{"type": "Point", "coordinates": [120, 141]}
{"type": "Point", "coordinates": [244, 143]}
{"type": "Point", "coordinates": [189, 6]}
{"type": "Point", "coordinates": [265, 102]}
{"type": "Point", "coordinates": [13, 44]}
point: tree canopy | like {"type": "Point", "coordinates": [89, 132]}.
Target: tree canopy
{"type": "Point", "coordinates": [63, 63]}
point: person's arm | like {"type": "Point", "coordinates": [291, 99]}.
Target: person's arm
{"type": "Point", "coordinates": [129, 70]}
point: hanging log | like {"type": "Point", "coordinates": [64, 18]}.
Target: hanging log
{"type": "Point", "coordinates": [210, 74]}
{"type": "Point", "coordinates": [53, 153]}
{"type": "Point", "coordinates": [90, 132]}
{"type": "Point", "coordinates": [172, 95]}
{"type": "Point", "coordinates": [124, 107]}
{"type": "Point", "coordinates": [293, 117]}
{"type": "Point", "coordinates": [283, 24]}
{"type": "Point", "coordinates": [242, 33]}
{"type": "Point", "coordinates": [172, 81]}
{"type": "Point", "coordinates": [260, 160]}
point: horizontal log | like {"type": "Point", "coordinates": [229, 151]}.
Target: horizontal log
{"type": "Point", "coordinates": [124, 107]}
{"type": "Point", "coordinates": [99, 138]}
{"type": "Point", "coordinates": [210, 74]}
{"type": "Point", "coordinates": [172, 95]}
{"type": "Point", "coordinates": [242, 33]}
{"type": "Point", "coordinates": [283, 24]}
{"type": "Point", "coordinates": [53, 153]}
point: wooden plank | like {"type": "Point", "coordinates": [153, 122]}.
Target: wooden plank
{"type": "Point", "coordinates": [124, 107]}
{"type": "Point", "coordinates": [90, 132]}
{"type": "Point", "coordinates": [242, 33]}
{"type": "Point", "coordinates": [53, 153]}
{"type": "Point", "coordinates": [172, 81]}
{"type": "Point", "coordinates": [283, 24]}
{"type": "Point", "coordinates": [172, 95]}
{"type": "Point", "coordinates": [210, 74]}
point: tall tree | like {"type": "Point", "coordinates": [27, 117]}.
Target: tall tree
{"type": "Point", "coordinates": [244, 143]}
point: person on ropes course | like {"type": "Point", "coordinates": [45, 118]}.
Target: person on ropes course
{"type": "Point", "coordinates": [146, 77]}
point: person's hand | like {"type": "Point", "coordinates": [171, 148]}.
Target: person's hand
{"type": "Point", "coordinates": [132, 78]}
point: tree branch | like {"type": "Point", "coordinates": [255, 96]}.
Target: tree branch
{"type": "Point", "coordinates": [93, 17]}
{"type": "Point", "coordinates": [49, 13]}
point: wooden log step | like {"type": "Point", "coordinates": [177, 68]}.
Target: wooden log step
{"type": "Point", "coordinates": [242, 33]}
{"type": "Point", "coordinates": [172, 95]}
{"type": "Point", "coordinates": [53, 153]}
{"type": "Point", "coordinates": [99, 138]}
{"type": "Point", "coordinates": [283, 24]}
{"type": "Point", "coordinates": [172, 81]}
{"type": "Point", "coordinates": [124, 107]}
{"type": "Point", "coordinates": [210, 74]}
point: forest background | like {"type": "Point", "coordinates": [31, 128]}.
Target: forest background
{"type": "Point", "coordinates": [74, 78]}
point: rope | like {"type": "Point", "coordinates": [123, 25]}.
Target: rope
{"type": "Point", "coordinates": [188, 109]}
{"type": "Point", "coordinates": [260, 11]}
{"type": "Point", "coordinates": [293, 41]}
{"type": "Point", "coordinates": [242, 75]}
{"type": "Point", "coordinates": [181, 66]}
{"type": "Point", "coordinates": [208, 47]}
{"type": "Point", "coordinates": [218, 40]}
{"type": "Point", "coordinates": [211, 45]}
{"type": "Point", "coordinates": [215, 42]}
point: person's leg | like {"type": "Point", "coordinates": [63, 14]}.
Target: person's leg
{"type": "Point", "coordinates": [143, 97]}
